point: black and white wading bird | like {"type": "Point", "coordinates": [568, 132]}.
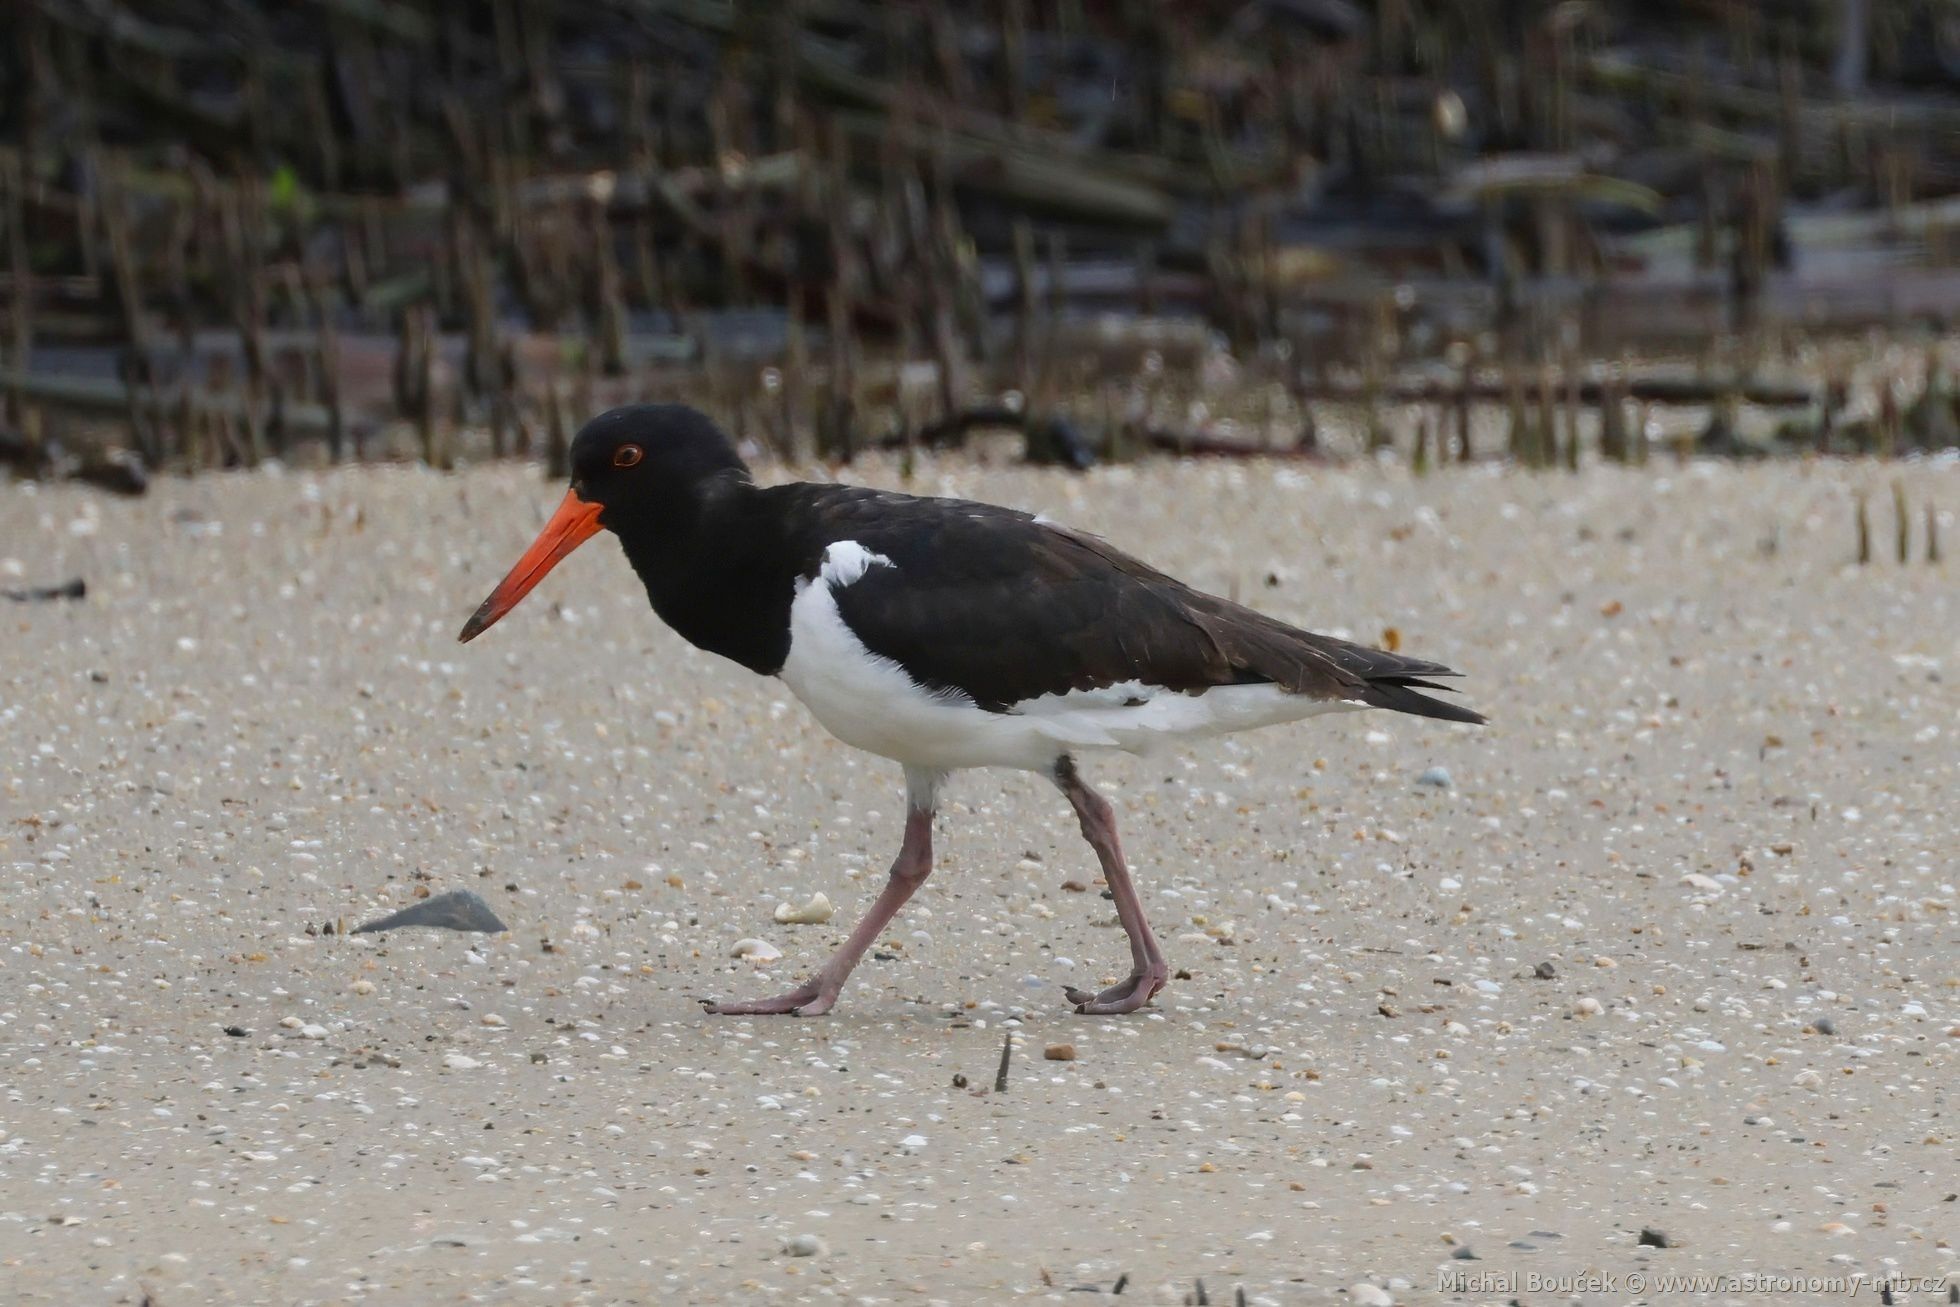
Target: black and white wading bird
{"type": "Point", "coordinates": [944, 634]}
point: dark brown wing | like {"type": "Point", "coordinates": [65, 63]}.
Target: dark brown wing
{"type": "Point", "coordinates": [1002, 608]}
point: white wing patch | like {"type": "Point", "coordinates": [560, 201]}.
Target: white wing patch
{"type": "Point", "coordinates": [1135, 717]}
{"type": "Point", "coordinates": [846, 561]}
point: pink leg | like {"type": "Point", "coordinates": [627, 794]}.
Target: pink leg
{"type": "Point", "coordinates": [818, 994]}
{"type": "Point", "coordinates": [1148, 969]}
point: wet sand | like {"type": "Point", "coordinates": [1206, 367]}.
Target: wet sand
{"type": "Point", "coordinates": [1678, 948]}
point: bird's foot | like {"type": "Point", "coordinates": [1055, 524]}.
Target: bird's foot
{"type": "Point", "coordinates": [809, 999]}
{"type": "Point", "coordinates": [1126, 996]}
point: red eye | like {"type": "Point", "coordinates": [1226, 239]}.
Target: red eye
{"type": "Point", "coordinates": [627, 455]}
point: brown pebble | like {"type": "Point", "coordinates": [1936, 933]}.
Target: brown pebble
{"type": "Point", "coordinates": [1059, 1052]}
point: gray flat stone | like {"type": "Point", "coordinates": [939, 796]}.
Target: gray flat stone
{"type": "Point", "coordinates": [456, 909]}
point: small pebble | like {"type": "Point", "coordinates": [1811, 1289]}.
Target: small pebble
{"type": "Point", "coordinates": [1653, 1238]}
{"type": "Point", "coordinates": [1059, 1052]}
{"type": "Point", "coordinates": [460, 1062]}
{"type": "Point", "coordinates": [1587, 1007]}
{"type": "Point", "coordinates": [805, 1245]}
{"type": "Point", "coordinates": [1439, 777]}
{"type": "Point", "coordinates": [755, 950]}
{"type": "Point", "coordinates": [457, 909]}
{"type": "Point", "coordinates": [1370, 1295]}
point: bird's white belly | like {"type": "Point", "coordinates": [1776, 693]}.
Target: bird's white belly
{"type": "Point", "coordinates": [872, 702]}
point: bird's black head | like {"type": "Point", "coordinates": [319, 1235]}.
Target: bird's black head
{"type": "Point", "coordinates": [643, 458]}
{"type": "Point", "coordinates": [637, 471]}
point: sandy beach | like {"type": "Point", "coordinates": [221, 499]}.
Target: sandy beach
{"type": "Point", "coordinates": [1676, 949]}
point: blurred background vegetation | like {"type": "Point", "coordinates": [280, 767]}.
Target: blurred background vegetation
{"type": "Point", "coordinates": [1453, 229]}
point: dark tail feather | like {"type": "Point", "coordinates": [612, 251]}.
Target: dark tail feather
{"type": "Point", "coordinates": [1328, 668]}
{"type": "Point", "coordinates": [1398, 693]}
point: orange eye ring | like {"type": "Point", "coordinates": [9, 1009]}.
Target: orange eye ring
{"type": "Point", "coordinates": [628, 455]}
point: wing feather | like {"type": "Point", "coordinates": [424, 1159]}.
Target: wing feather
{"type": "Point", "coordinates": [990, 603]}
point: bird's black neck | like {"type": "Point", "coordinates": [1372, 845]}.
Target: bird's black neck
{"type": "Point", "coordinates": [716, 569]}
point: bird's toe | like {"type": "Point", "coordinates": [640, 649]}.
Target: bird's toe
{"type": "Point", "coordinates": [1125, 996]}
{"type": "Point", "coordinates": [1078, 997]}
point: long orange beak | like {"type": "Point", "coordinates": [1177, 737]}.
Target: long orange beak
{"type": "Point", "coordinates": [572, 525]}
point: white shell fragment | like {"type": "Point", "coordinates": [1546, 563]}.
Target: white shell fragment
{"type": "Point", "coordinates": [814, 913]}
{"type": "Point", "coordinates": [755, 950]}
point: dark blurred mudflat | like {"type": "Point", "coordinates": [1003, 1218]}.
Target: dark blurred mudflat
{"type": "Point", "coordinates": [384, 229]}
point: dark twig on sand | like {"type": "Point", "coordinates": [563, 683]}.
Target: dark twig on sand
{"type": "Point", "coordinates": [75, 589]}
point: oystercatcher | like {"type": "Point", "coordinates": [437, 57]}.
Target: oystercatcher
{"type": "Point", "coordinates": [944, 634]}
